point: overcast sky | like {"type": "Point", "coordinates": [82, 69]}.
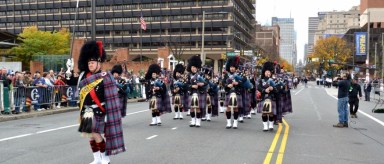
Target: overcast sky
{"type": "Point", "coordinates": [300, 10]}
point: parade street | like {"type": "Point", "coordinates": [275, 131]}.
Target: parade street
{"type": "Point", "coordinates": [306, 136]}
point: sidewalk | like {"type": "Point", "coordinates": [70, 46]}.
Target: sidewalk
{"type": "Point", "coordinates": [31, 114]}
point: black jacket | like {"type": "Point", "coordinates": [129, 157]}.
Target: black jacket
{"type": "Point", "coordinates": [354, 90]}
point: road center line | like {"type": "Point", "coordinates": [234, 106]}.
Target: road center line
{"type": "Point", "coordinates": [362, 112]}
{"type": "Point", "coordinates": [54, 129]}
{"type": "Point", "coordinates": [14, 137]}
{"type": "Point", "coordinates": [151, 137]}
{"type": "Point", "coordinates": [174, 128]}
{"type": "Point", "coordinates": [268, 158]}
{"type": "Point", "coordinates": [283, 144]}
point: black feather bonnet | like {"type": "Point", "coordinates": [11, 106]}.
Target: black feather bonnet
{"type": "Point", "coordinates": [153, 68]}
{"type": "Point", "coordinates": [194, 61]}
{"type": "Point", "coordinates": [267, 66]}
{"type": "Point", "coordinates": [91, 51]}
{"type": "Point", "coordinates": [117, 69]}
{"type": "Point", "coordinates": [232, 62]}
{"type": "Point", "coordinates": [178, 68]}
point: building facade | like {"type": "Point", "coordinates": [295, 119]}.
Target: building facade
{"type": "Point", "coordinates": [288, 50]}
{"type": "Point", "coordinates": [173, 23]}
{"type": "Point", "coordinates": [267, 38]}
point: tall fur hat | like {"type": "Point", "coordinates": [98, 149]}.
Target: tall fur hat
{"type": "Point", "coordinates": [267, 66]}
{"type": "Point", "coordinates": [178, 68]}
{"type": "Point", "coordinates": [91, 51]}
{"type": "Point", "coordinates": [232, 62]}
{"type": "Point", "coordinates": [153, 68]}
{"type": "Point", "coordinates": [117, 69]}
{"type": "Point", "coordinates": [194, 61]}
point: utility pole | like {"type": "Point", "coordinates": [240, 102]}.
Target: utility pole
{"type": "Point", "coordinates": [93, 19]}
{"type": "Point", "coordinates": [375, 59]}
{"type": "Point", "coordinates": [202, 40]}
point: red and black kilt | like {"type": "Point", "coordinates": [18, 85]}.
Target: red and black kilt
{"type": "Point", "coordinates": [98, 124]}
{"type": "Point", "coordinates": [260, 107]}
{"type": "Point", "coordinates": [239, 100]}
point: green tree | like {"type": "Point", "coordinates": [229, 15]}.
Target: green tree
{"type": "Point", "coordinates": [332, 48]}
{"type": "Point", "coordinates": [36, 42]}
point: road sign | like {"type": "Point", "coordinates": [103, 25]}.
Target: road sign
{"type": "Point", "coordinates": [231, 54]}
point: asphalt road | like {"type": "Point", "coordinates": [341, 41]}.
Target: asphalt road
{"type": "Point", "coordinates": [307, 136]}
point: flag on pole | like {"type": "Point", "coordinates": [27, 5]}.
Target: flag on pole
{"type": "Point", "coordinates": [142, 22]}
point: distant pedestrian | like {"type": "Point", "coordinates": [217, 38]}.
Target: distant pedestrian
{"type": "Point", "coordinates": [305, 81]}
{"type": "Point", "coordinates": [342, 102]}
{"type": "Point", "coordinates": [367, 90]}
{"type": "Point", "coordinates": [354, 96]}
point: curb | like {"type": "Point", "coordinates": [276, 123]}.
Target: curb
{"type": "Point", "coordinates": [32, 114]}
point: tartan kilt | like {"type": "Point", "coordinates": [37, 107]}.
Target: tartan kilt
{"type": "Point", "coordinates": [260, 107]}
{"type": "Point", "coordinates": [159, 104]}
{"type": "Point", "coordinates": [246, 103]}
{"type": "Point", "coordinates": [181, 100]}
{"type": "Point", "coordinates": [214, 100]}
{"type": "Point", "coordinates": [287, 108]}
{"type": "Point", "coordinates": [98, 124]}
{"type": "Point", "coordinates": [239, 100]}
{"type": "Point", "coordinates": [202, 100]}
{"type": "Point", "coordinates": [187, 102]}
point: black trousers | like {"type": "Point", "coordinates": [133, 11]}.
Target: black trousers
{"type": "Point", "coordinates": [353, 105]}
{"type": "Point", "coordinates": [367, 95]}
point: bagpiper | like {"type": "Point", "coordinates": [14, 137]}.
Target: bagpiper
{"type": "Point", "coordinates": [178, 90]}
{"type": "Point", "coordinates": [212, 96]}
{"type": "Point", "coordinates": [98, 114]}
{"type": "Point", "coordinates": [122, 87]}
{"type": "Point", "coordinates": [267, 89]}
{"type": "Point", "coordinates": [233, 84]}
{"type": "Point", "coordinates": [157, 94]}
{"type": "Point", "coordinates": [197, 89]}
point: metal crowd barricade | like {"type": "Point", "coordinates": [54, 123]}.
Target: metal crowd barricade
{"type": "Point", "coordinates": [1, 96]}
{"type": "Point", "coordinates": [26, 98]}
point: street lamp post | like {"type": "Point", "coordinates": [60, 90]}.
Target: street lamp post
{"type": "Point", "coordinates": [202, 56]}
{"type": "Point", "coordinates": [368, 31]}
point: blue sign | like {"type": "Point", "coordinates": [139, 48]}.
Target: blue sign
{"type": "Point", "coordinates": [361, 43]}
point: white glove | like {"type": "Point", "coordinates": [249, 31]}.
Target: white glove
{"type": "Point", "coordinates": [70, 64]}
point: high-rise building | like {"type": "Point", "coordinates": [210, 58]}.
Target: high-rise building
{"type": "Point", "coordinates": [313, 23]}
{"type": "Point", "coordinates": [267, 38]}
{"type": "Point", "coordinates": [177, 24]}
{"type": "Point", "coordinates": [288, 49]}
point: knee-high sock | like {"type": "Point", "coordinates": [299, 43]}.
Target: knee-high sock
{"type": "Point", "coordinates": [176, 109]}
{"type": "Point", "coordinates": [153, 114]}
{"type": "Point", "coordinates": [209, 110]}
{"type": "Point", "coordinates": [198, 115]}
{"type": "Point", "coordinates": [94, 146]}
{"type": "Point", "coordinates": [193, 114]}
{"type": "Point", "coordinates": [101, 146]}
{"type": "Point", "coordinates": [157, 113]}
{"type": "Point", "coordinates": [265, 118]}
{"type": "Point", "coordinates": [228, 115]}
{"type": "Point", "coordinates": [235, 115]}
{"type": "Point", "coordinates": [270, 118]}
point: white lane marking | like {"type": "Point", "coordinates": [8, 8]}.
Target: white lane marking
{"type": "Point", "coordinates": [362, 112]}
{"type": "Point", "coordinates": [299, 91]}
{"type": "Point", "coordinates": [50, 130]}
{"type": "Point", "coordinates": [151, 137]}
{"type": "Point", "coordinates": [14, 137]}
{"type": "Point", "coordinates": [174, 128]}
{"type": "Point", "coordinates": [137, 112]}
{"type": "Point", "coordinates": [315, 108]}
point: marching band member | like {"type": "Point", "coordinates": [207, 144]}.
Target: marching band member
{"type": "Point", "coordinates": [122, 87]}
{"type": "Point", "coordinates": [99, 114]}
{"type": "Point", "coordinates": [221, 94]}
{"type": "Point", "coordinates": [267, 88]}
{"type": "Point", "coordinates": [233, 88]}
{"type": "Point", "coordinates": [247, 86]}
{"type": "Point", "coordinates": [198, 90]}
{"type": "Point", "coordinates": [178, 90]}
{"type": "Point", "coordinates": [212, 96]}
{"type": "Point", "coordinates": [252, 91]}
{"type": "Point", "coordinates": [157, 93]}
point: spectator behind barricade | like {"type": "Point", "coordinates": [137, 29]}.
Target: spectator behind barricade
{"type": "Point", "coordinates": [367, 90]}
{"type": "Point", "coordinates": [20, 93]}
{"type": "Point", "coordinates": [27, 78]}
{"type": "Point", "coordinates": [59, 90]}
{"type": "Point", "coordinates": [52, 76]}
{"type": "Point", "coordinates": [39, 82]}
{"type": "Point", "coordinates": [48, 90]}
